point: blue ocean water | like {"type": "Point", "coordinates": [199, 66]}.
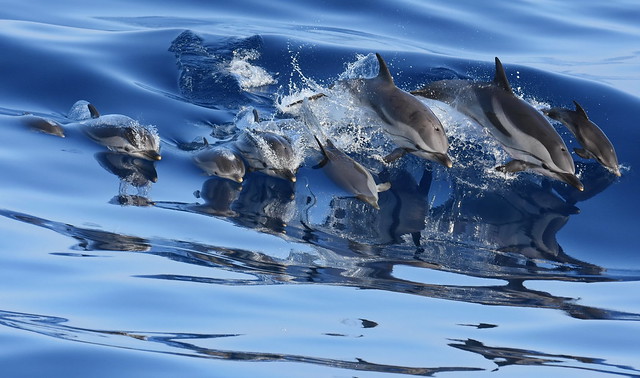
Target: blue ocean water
{"type": "Point", "coordinates": [117, 267]}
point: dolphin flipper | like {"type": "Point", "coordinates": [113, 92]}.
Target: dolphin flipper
{"type": "Point", "coordinates": [583, 153]}
{"type": "Point", "coordinates": [395, 155]}
{"type": "Point", "coordinates": [514, 166]}
{"type": "Point", "coordinates": [383, 187]}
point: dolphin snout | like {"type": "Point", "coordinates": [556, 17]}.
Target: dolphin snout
{"type": "Point", "coordinates": [572, 180]}
{"type": "Point", "coordinates": [444, 159]}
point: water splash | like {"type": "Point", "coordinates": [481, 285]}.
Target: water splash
{"type": "Point", "coordinates": [248, 75]}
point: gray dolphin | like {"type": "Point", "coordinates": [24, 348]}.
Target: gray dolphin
{"type": "Point", "coordinates": [221, 161]}
{"type": "Point", "coordinates": [595, 143]}
{"type": "Point", "coordinates": [43, 125]}
{"type": "Point", "coordinates": [409, 122]}
{"type": "Point", "coordinates": [267, 152]}
{"type": "Point", "coordinates": [349, 174]}
{"type": "Point", "coordinates": [523, 131]}
{"type": "Point", "coordinates": [342, 169]}
{"type": "Point", "coordinates": [121, 134]}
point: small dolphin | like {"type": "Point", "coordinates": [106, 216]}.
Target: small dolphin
{"type": "Point", "coordinates": [43, 125]}
{"type": "Point", "coordinates": [121, 134]}
{"type": "Point", "coordinates": [342, 169]}
{"type": "Point", "coordinates": [221, 161]}
{"type": "Point", "coordinates": [595, 143]}
{"type": "Point", "coordinates": [349, 174]}
{"type": "Point", "coordinates": [409, 122]}
{"type": "Point", "coordinates": [524, 132]}
{"type": "Point", "coordinates": [267, 152]}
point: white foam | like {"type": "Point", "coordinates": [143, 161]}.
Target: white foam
{"type": "Point", "coordinates": [248, 75]}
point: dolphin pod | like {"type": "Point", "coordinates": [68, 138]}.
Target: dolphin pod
{"type": "Point", "coordinates": [523, 131]}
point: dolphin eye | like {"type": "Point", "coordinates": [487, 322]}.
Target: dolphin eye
{"type": "Point", "coordinates": [563, 149]}
{"type": "Point", "coordinates": [545, 166]}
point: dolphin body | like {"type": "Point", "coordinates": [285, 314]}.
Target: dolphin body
{"type": "Point", "coordinates": [524, 132]}
{"type": "Point", "coordinates": [43, 125]}
{"type": "Point", "coordinates": [118, 133]}
{"type": "Point", "coordinates": [221, 161]}
{"type": "Point", "coordinates": [409, 122]}
{"type": "Point", "coordinates": [595, 143]}
{"type": "Point", "coordinates": [267, 152]}
{"type": "Point", "coordinates": [340, 167]}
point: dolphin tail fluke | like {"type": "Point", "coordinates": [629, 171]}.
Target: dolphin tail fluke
{"type": "Point", "coordinates": [500, 79]}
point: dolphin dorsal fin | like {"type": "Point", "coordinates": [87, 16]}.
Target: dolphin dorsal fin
{"type": "Point", "coordinates": [501, 77]}
{"type": "Point", "coordinates": [93, 111]}
{"type": "Point", "coordinates": [580, 110]}
{"type": "Point", "coordinates": [256, 116]}
{"type": "Point", "coordinates": [325, 158]}
{"type": "Point", "coordinates": [384, 73]}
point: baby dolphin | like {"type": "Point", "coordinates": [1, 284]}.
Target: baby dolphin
{"type": "Point", "coordinates": [409, 122]}
{"type": "Point", "coordinates": [342, 169]}
{"type": "Point", "coordinates": [221, 161]}
{"type": "Point", "coordinates": [267, 152]}
{"type": "Point", "coordinates": [595, 143]}
{"type": "Point", "coordinates": [122, 134]}
{"type": "Point", "coordinates": [524, 132]}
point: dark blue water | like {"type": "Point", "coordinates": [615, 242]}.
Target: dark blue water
{"type": "Point", "coordinates": [112, 270]}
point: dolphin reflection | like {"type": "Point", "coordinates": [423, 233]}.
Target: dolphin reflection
{"type": "Point", "coordinates": [331, 266]}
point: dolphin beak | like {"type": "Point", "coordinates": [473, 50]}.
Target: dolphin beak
{"type": "Point", "coordinates": [573, 180]}
{"type": "Point", "coordinates": [445, 160]}
{"type": "Point", "coordinates": [152, 155]}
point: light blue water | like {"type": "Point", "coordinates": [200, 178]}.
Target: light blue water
{"type": "Point", "coordinates": [463, 272]}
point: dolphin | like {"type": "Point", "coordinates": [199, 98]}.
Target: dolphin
{"type": "Point", "coordinates": [349, 174]}
{"type": "Point", "coordinates": [409, 122]}
{"type": "Point", "coordinates": [134, 140]}
{"type": "Point", "coordinates": [120, 133]}
{"type": "Point", "coordinates": [221, 161]}
{"type": "Point", "coordinates": [267, 152]}
{"type": "Point", "coordinates": [342, 169]}
{"type": "Point", "coordinates": [595, 143]}
{"type": "Point", "coordinates": [43, 125]}
{"type": "Point", "coordinates": [523, 131]}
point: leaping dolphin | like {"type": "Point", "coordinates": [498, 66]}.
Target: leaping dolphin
{"type": "Point", "coordinates": [595, 143]}
{"type": "Point", "coordinates": [342, 169]}
{"type": "Point", "coordinates": [523, 131]}
{"type": "Point", "coordinates": [409, 122]}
